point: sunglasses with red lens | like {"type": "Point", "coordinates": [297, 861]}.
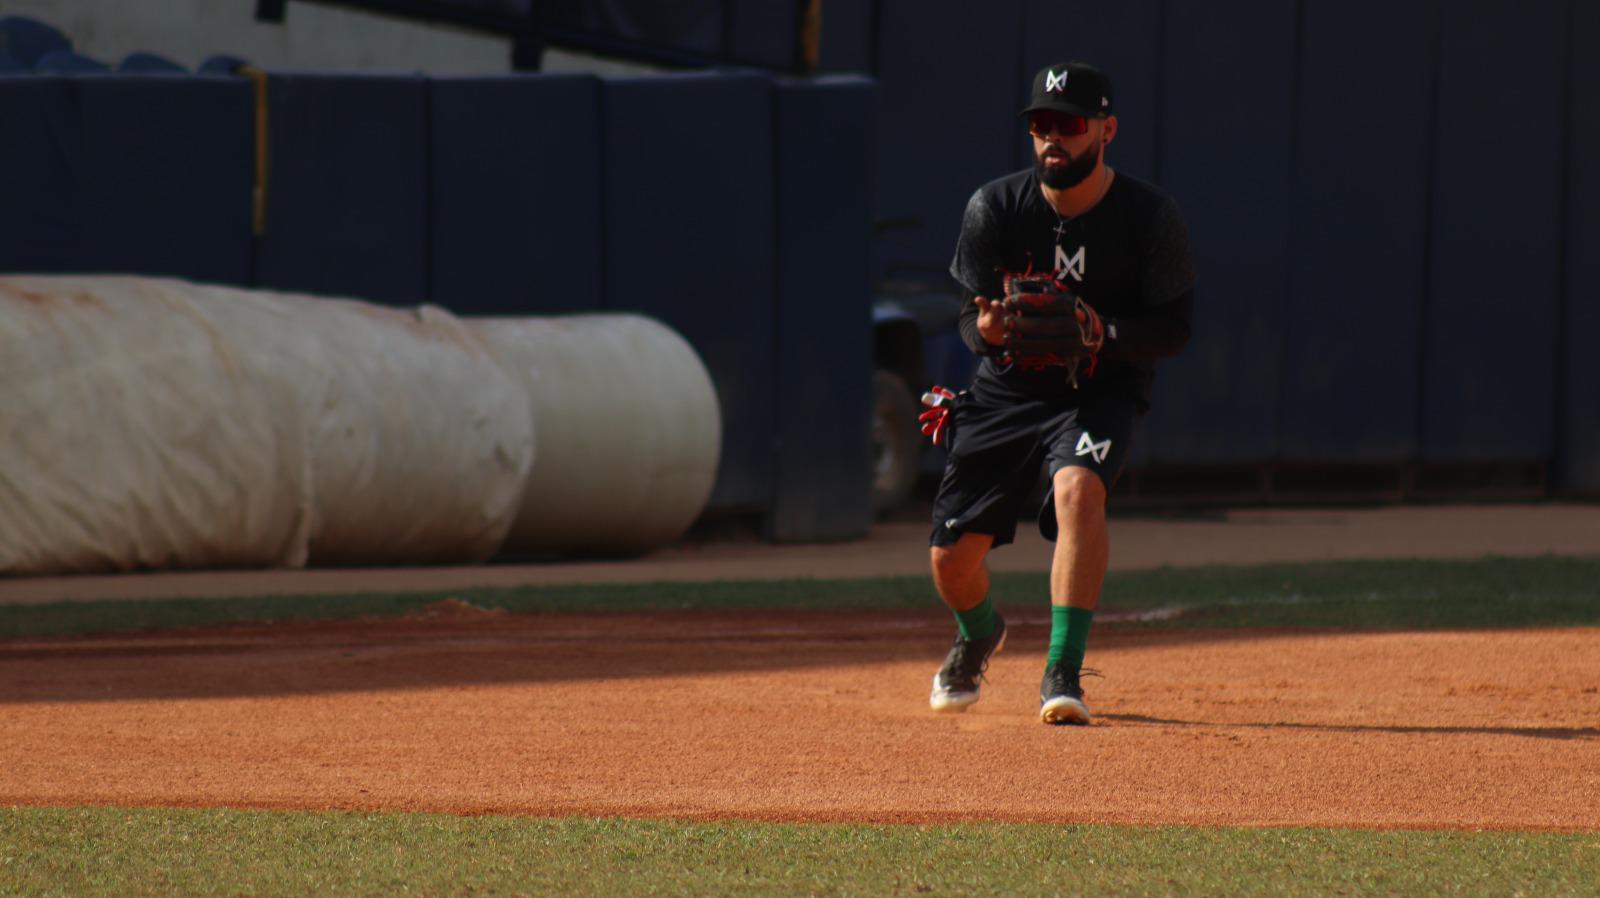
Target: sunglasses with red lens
{"type": "Point", "coordinates": [1042, 123]}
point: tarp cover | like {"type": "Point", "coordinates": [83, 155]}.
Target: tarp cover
{"type": "Point", "coordinates": [628, 432]}
{"type": "Point", "coordinates": [159, 424]}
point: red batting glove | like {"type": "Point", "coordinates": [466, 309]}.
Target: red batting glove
{"type": "Point", "coordinates": [937, 417]}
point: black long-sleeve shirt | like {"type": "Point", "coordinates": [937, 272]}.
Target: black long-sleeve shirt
{"type": "Point", "coordinates": [1128, 257]}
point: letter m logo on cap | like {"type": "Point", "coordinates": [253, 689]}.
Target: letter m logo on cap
{"type": "Point", "coordinates": [1054, 83]}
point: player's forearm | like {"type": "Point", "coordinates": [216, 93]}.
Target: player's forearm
{"type": "Point", "coordinates": [1159, 333]}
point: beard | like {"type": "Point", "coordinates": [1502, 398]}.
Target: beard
{"type": "Point", "coordinates": [1070, 175]}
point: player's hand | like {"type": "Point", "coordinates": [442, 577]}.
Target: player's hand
{"type": "Point", "coordinates": [991, 320]}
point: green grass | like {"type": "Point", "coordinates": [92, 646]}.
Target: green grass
{"type": "Point", "coordinates": [123, 852]}
{"type": "Point", "coordinates": [1488, 592]}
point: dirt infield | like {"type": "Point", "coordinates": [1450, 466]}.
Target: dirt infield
{"type": "Point", "coordinates": [823, 716]}
{"type": "Point", "coordinates": [809, 717]}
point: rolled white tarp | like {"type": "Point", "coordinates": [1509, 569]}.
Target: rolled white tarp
{"type": "Point", "coordinates": [151, 423]}
{"type": "Point", "coordinates": [628, 438]}
{"type": "Point", "coordinates": [420, 441]}
{"type": "Point", "coordinates": [135, 432]}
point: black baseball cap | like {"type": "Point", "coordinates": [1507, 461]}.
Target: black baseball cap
{"type": "Point", "coordinates": [1075, 88]}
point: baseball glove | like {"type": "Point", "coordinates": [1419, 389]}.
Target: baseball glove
{"type": "Point", "coordinates": [1048, 326]}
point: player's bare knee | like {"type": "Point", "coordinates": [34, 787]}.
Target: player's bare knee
{"type": "Point", "coordinates": [949, 564]}
{"type": "Point", "coordinates": [1078, 491]}
{"type": "Point", "coordinates": [957, 563]}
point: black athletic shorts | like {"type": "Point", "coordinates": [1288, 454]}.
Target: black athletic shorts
{"type": "Point", "coordinates": [998, 446]}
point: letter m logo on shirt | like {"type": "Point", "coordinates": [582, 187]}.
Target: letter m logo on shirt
{"type": "Point", "coordinates": [1072, 265]}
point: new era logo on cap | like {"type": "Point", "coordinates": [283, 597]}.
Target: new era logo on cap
{"type": "Point", "coordinates": [1054, 83]}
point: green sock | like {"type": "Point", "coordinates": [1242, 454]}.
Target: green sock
{"type": "Point", "coordinates": [976, 622]}
{"type": "Point", "coordinates": [1069, 635]}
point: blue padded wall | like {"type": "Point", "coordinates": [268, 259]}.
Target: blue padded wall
{"type": "Point", "coordinates": [948, 121]}
{"type": "Point", "coordinates": [1351, 332]}
{"type": "Point", "coordinates": [824, 313]}
{"type": "Point", "coordinates": [1225, 142]}
{"type": "Point", "coordinates": [1579, 452]}
{"type": "Point", "coordinates": [1489, 392]}
{"type": "Point", "coordinates": [41, 166]}
{"type": "Point", "coordinates": [347, 203]}
{"type": "Point", "coordinates": [1124, 40]}
{"type": "Point", "coordinates": [765, 34]}
{"type": "Point", "coordinates": [846, 39]}
{"type": "Point", "coordinates": [689, 208]}
{"type": "Point", "coordinates": [515, 175]}
{"type": "Point", "coordinates": [137, 174]}
{"type": "Point", "coordinates": [168, 176]}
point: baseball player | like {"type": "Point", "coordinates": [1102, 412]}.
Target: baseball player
{"type": "Point", "coordinates": [1066, 369]}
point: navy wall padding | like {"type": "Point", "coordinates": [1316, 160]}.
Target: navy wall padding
{"type": "Point", "coordinates": [824, 310]}
{"type": "Point", "coordinates": [1228, 87]}
{"type": "Point", "coordinates": [1139, 455]}
{"type": "Point", "coordinates": [765, 34]}
{"type": "Point", "coordinates": [845, 44]}
{"type": "Point", "coordinates": [347, 203]}
{"type": "Point", "coordinates": [1579, 452]}
{"type": "Point", "coordinates": [1354, 314]}
{"type": "Point", "coordinates": [130, 174]}
{"type": "Point", "coordinates": [169, 166]}
{"type": "Point", "coordinates": [1123, 40]}
{"type": "Point", "coordinates": [949, 74]}
{"type": "Point", "coordinates": [515, 173]}
{"type": "Point", "coordinates": [1489, 390]}
{"type": "Point", "coordinates": [688, 181]}
{"type": "Point", "coordinates": [41, 172]}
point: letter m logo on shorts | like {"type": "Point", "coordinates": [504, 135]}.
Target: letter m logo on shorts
{"type": "Point", "coordinates": [1097, 451]}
